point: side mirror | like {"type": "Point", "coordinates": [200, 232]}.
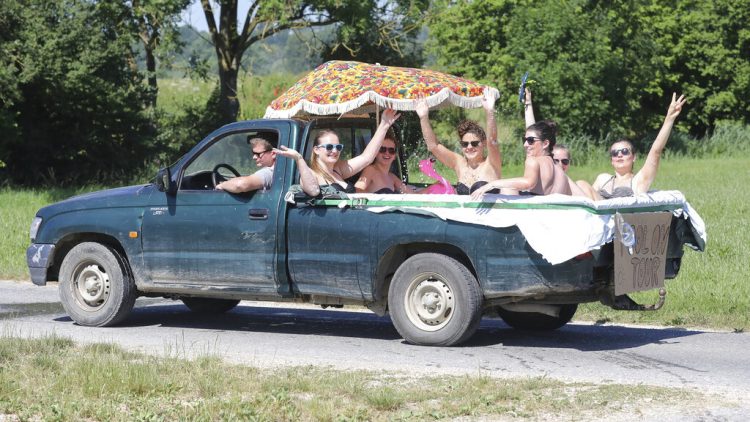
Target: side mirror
{"type": "Point", "coordinates": [163, 181]}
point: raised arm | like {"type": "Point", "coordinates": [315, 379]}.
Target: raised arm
{"type": "Point", "coordinates": [646, 175]}
{"type": "Point", "coordinates": [528, 109]}
{"type": "Point", "coordinates": [306, 177]}
{"type": "Point", "coordinates": [443, 154]}
{"type": "Point", "coordinates": [493, 147]}
{"type": "Point", "coordinates": [355, 164]}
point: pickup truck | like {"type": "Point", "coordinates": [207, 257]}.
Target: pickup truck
{"type": "Point", "coordinates": [436, 276]}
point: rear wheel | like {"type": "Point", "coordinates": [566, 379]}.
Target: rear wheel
{"type": "Point", "coordinates": [534, 321]}
{"type": "Point", "coordinates": [434, 300]}
{"type": "Point", "coordinates": [206, 305]}
{"type": "Point", "coordinates": [96, 286]}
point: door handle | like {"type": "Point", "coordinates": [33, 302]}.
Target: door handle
{"type": "Point", "coordinates": [258, 214]}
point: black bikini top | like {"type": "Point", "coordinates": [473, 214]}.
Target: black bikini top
{"type": "Point", "coordinates": [348, 189]}
{"type": "Point", "coordinates": [385, 191]}
{"type": "Point", "coordinates": [462, 189]}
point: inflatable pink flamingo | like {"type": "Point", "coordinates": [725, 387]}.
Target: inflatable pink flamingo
{"type": "Point", "coordinates": [442, 186]}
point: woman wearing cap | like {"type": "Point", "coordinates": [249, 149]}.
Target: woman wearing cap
{"type": "Point", "coordinates": [473, 169]}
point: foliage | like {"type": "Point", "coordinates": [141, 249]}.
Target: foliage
{"type": "Point", "coordinates": [155, 22]}
{"type": "Point", "coordinates": [266, 18]}
{"type": "Point", "coordinates": [78, 105]}
{"type": "Point", "coordinates": [378, 32]}
{"type": "Point", "coordinates": [604, 68]}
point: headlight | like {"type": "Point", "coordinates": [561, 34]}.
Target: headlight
{"type": "Point", "coordinates": [35, 223]}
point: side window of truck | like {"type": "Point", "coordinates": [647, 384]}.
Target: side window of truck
{"type": "Point", "coordinates": [232, 151]}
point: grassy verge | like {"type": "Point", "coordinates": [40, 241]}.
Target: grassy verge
{"type": "Point", "coordinates": [711, 290]}
{"type": "Point", "coordinates": [53, 379]}
{"type": "Point", "coordinates": [17, 208]}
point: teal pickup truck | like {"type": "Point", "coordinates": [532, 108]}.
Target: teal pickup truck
{"type": "Point", "coordinates": [436, 276]}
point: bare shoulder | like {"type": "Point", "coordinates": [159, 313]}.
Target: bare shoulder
{"type": "Point", "coordinates": [601, 179]}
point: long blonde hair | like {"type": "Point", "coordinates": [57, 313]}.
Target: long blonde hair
{"type": "Point", "coordinates": [314, 164]}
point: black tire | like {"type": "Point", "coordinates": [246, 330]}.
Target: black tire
{"type": "Point", "coordinates": [534, 321]}
{"type": "Point", "coordinates": [204, 305]}
{"type": "Point", "coordinates": [434, 300]}
{"type": "Point", "coordinates": [96, 285]}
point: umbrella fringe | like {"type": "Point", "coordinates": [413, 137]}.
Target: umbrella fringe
{"type": "Point", "coordinates": [435, 100]}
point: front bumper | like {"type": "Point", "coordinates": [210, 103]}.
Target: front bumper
{"type": "Point", "coordinates": [38, 258]}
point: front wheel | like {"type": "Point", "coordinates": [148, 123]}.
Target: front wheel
{"type": "Point", "coordinates": [534, 321]}
{"type": "Point", "coordinates": [434, 300]}
{"type": "Point", "coordinates": [96, 286]}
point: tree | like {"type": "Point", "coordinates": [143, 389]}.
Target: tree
{"type": "Point", "coordinates": [268, 17]}
{"type": "Point", "coordinates": [78, 107]}
{"type": "Point", "coordinates": [604, 68]}
{"type": "Point", "coordinates": [384, 32]}
{"type": "Point", "coordinates": [156, 22]}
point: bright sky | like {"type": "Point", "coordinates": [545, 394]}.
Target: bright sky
{"type": "Point", "coordinates": [194, 14]}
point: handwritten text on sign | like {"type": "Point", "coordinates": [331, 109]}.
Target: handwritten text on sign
{"type": "Point", "coordinates": [643, 269]}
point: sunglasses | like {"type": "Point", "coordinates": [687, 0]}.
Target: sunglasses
{"type": "Point", "coordinates": [390, 150]}
{"type": "Point", "coordinates": [530, 140]}
{"type": "Point", "coordinates": [331, 147]}
{"type": "Point", "coordinates": [624, 151]}
{"type": "Point", "coordinates": [565, 161]}
{"type": "Point", "coordinates": [472, 143]}
{"type": "Point", "coordinates": [259, 154]}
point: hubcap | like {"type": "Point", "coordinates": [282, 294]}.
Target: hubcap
{"type": "Point", "coordinates": [92, 285]}
{"type": "Point", "coordinates": [429, 302]}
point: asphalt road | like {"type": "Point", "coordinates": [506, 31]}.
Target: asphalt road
{"type": "Point", "coordinates": [269, 335]}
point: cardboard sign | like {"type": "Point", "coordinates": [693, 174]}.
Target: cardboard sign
{"type": "Point", "coordinates": [641, 266]}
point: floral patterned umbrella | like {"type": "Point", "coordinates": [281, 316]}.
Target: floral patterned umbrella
{"type": "Point", "coordinates": [338, 87]}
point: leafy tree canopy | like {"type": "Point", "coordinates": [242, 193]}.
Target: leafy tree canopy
{"type": "Point", "coordinates": [77, 104]}
{"type": "Point", "coordinates": [604, 68]}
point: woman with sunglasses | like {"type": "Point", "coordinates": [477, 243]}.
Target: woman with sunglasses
{"type": "Point", "coordinates": [624, 183]}
{"type": "Point", "coordinates": [377, 177]}
{"type": "Point", "coordinates": [560, 152]}
{"type": "Point", "coordinates": [540, 176]}
{"type": "Point", "coordinates": [473, 169]}
{"type": "Point", "coordinates": [561, 157]}
{"type": "Point", "coordinates": [326, 170]}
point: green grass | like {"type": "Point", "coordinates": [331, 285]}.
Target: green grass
{"type": "Point", "coordinates": [17, 208]}
{"type": "Point", "coordinates": [51, 378]}
{"type": "Point", "coordinates": [710, 291]}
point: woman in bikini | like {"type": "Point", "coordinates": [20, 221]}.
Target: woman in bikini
{"type": "Point", "coordinates": [624, 183]}
{"type": "Point", "coordinates": [540, 176]}
{"type": "Point", "coordinates": [473, 169]}
{"type": "Point", "coordinates": [326, 170]}
{"type": "Point", "coordinates": [377, 177]}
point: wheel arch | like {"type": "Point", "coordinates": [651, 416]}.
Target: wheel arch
{"type": "Point", "coordinates": [397, 254]}
{"type": "Point", "coordinates": [68, 242]}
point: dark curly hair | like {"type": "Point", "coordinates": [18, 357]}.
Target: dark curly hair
{"type": "Point", "coordinates": [470, 126]}
{"type": "Point", "coordinates": [547, 129]}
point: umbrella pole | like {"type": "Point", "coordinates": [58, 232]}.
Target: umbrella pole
{"type": "Point", "coordinates": [377, 114]}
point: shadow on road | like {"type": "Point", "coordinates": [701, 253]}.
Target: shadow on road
{"type": "Point", "coordinates": [342, 323]}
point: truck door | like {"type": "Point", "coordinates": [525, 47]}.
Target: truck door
{"type": "Point", "coordinates": [205, 238]}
